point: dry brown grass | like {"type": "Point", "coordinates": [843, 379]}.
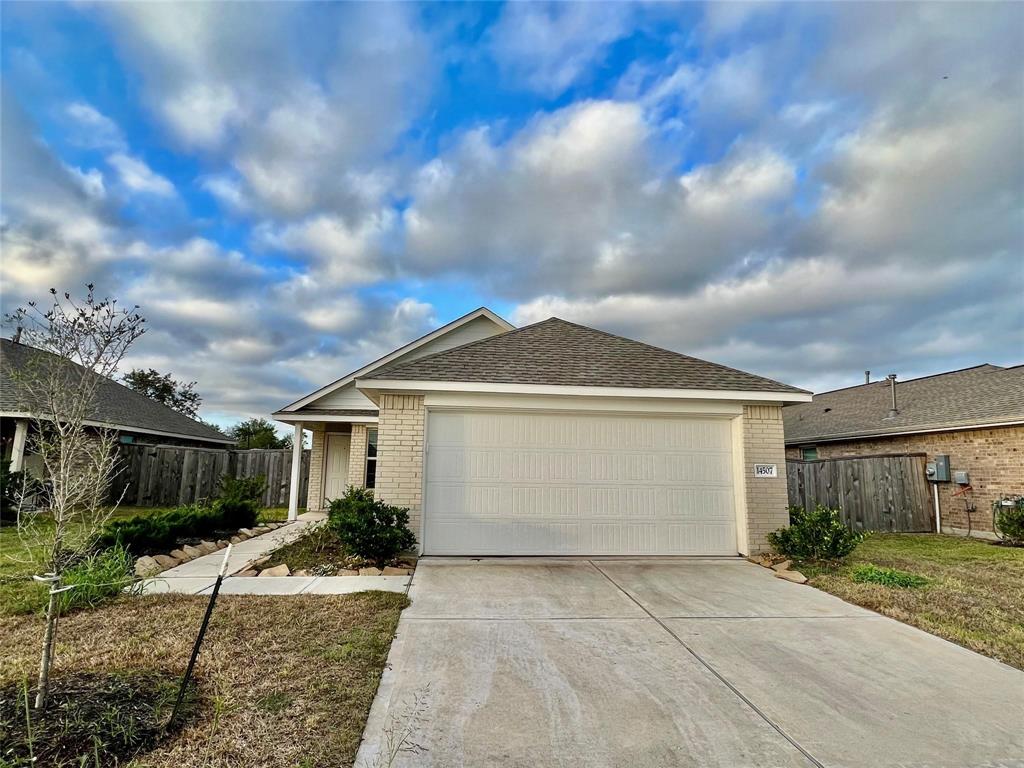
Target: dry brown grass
{"type": "Point", "coordinates": [974, 595]}
{"type": "Point", "coordinates": [288, 681]}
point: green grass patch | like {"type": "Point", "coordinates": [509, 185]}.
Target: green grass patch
{"type": "Point", "coordinates": [888, 577]}
{"type": "Point", "coordinates": [974, 595]}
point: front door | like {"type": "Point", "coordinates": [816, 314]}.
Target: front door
{"type": "Point", "coordinates": [336, 466]}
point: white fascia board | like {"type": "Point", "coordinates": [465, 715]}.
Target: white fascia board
{"type": "Point", "coordinates": [372, 387]}
{"type": "Point", "coordinates": [437, 401]}
{"type": "Point", "coordinates": [293, 418]}
{"type": "Point", "coordinates": [906, 433]}
{"type": "Point", "coordinates": [128, 428]}
{"type": "Point", "coordinates": [370, 367]}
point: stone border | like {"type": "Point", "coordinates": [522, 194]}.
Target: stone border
{"type": "Point", "coordinates": [151, 565]}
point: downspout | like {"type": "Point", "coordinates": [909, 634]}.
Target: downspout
{"type": "Point", "coordinates": [938, 513]}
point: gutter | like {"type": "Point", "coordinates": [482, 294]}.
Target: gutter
{"type": "Point", "coordinates": [911, 431]}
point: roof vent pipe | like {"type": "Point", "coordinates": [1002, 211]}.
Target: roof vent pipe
{"type": "Point", "coordinates": [892, 389]}
{"type": "Point", "coordinates": [867, 377]}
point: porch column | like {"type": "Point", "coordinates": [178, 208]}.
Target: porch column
{"type": "Point", "coordinates": [293, 490]}
{"type": "Point", "coordinates": [18, 447]}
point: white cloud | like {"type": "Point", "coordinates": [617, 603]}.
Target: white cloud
{"type": "Point", "coordinates": [139, 177]}
{"type": "Point", "coordinates": [95, 130]}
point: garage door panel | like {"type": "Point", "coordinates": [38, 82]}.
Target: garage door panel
{"type": "Point", "coordinates": [533, 483]}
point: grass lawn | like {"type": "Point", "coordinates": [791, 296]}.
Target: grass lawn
{"type": "Point", "coordinates": [282, 681]}
{"type": "Point", "coordinates": [19, 594]}
{"type": "Point", "coordinates": [974, 595]}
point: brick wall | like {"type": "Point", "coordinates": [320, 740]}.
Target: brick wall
{"type": "Point", "coordinates": [315, 492]}
{"type": "Point", "coordinates": [400, 454]}
{"type": "Point", "coordinates": [767, 499]}
{"type": "Point", "coordinates": [993, 457]}
{"type": "Point", "coordinates": [357, 456]}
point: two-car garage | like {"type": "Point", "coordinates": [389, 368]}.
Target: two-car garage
{"type": "Point", "coordinates": [525, 482]}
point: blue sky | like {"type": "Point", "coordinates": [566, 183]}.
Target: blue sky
{"type": "Point", "coordinates": [289, 190]}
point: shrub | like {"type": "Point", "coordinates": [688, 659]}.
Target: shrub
{"type": "Point", "coordinates": [239, 501]}
{"type": "Point", "coordinates": [889, 577]}
{"type": "Point", "coordinates": [1009, 520]}
{"type": "Point", "coordinates": [97, 578]}
{"type": "Point", "coordinates": [816, 535]}
{"type": "Point", "coordinates": [370, 528]}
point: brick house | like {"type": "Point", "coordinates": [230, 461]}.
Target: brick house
{"type": "Point", "coordinates": [554, 439]}
{"type": "Point", "coordinates": [974, 415]}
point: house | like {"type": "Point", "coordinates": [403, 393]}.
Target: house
{"type": "Point", "coordinates": [554, 439]}
{"type": "Point", "coordinates": [136, 417]}
{"type": "Point", "coordinates": [974, 415]}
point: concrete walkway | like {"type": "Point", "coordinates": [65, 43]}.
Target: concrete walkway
{"type": "Point", "coordinates": [684, 662]}
{"type": "Point", "coordinates": [198, 576]}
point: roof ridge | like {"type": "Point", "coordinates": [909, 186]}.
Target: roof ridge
{"type": "Point", "coordinates": [920, 378]}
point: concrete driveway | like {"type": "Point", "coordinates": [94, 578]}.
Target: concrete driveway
{"type": "Point", "coordinates": [675, 663]}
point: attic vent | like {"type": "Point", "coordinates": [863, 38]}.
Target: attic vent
{"type": "Point", "coordinates": [893, 411]}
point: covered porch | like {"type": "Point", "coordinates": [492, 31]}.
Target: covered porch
{"type": "Point", "coordinates": [343, 453]}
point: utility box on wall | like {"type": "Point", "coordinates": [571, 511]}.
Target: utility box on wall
{"type": "Point", "coordinates": [938, 469]}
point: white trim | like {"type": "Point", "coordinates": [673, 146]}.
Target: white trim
{"type": "Point", "coordinates": [292, 418]}
{"type": "Point", "coordinates": [739, 484]}
{"type": "Point", "coordinates": [373, 387]}
{"type": "Point", "coordinates": [457, 323]}
{"type": "Point", "coordinates": [18, 446]}
{"type": "Point", "coordinates": [553, 404]}
{"type": "Point", "coordinates": [912, 431]}
{"type": "Point", "coordinates": [126, 428]}
{"type": "Point", "coordinates": [293, 489]}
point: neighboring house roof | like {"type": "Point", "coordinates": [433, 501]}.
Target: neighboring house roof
{"type": "Point", "coordinates": [973, 397]}
{"type": "Point", "coordinates": [392, 356]}
{"type": "Point", "coordinates": [116, 405]}
{"type": "Point", "coordinates": [555, 352]}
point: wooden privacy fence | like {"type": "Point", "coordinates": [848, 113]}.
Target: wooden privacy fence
{"type": "Point", "coordinates": [171, 475]}
{"type": "Point", "coordinates": [873, 493]}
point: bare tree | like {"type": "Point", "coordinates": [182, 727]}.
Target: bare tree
{"type": "Point", "coordinates": [76, 345]}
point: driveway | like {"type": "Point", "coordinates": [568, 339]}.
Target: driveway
{"type": "Point", "coordinates": [502, 662]}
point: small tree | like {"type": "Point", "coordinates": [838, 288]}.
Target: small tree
{"type": "Point", "coordinates": [258, 433]}
{"type": "Point", "coordinates": [179, 395]}
{"type": "Point", "coordinates": [77, 345]}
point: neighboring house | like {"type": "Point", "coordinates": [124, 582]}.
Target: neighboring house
{"type": "Point", "coordinates": [136, 417]}
{"type": "Point", "coordinates": [974, 415]}
{"type": "Point", "coordinates": [554, 439]}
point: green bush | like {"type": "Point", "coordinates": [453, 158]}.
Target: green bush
{"type": "Point", "coordinates": [816, 535]}
{"type": "Point", "coordinates": [370, 528]}
{"type": "Point", "coordinates": [97, 578]}
{"type": "Point", "coordinates": [239, 501]}
{"type": "Point", "coordinates": [1009, 521]}
{"type": "Point", "coordinates": [889, 577]}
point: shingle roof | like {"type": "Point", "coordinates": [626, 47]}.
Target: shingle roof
{"type": "Point", "coordinates": [115, 403]}
{"type": "Point", "coordinates": [985, 394]}
{"type": "Point", "coordinates": [560, 353]}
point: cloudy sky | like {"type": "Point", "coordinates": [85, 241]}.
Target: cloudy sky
{"type": "Point", "coordinates": [804, 191]}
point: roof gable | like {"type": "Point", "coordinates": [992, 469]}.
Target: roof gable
{"type": "Point", "coordinates": [555, 352]}
{"type": "Point", "coordinates": [116, 404]}
{"type": "Point", "coordinates": [459, 331]}
{"type": "Point", "coordinates": [978, 396]}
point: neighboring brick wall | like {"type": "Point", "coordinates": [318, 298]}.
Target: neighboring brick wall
{"type": "Point", "coordinates": [400, 454]}
{"type": "Point", "coordinates": [357, 456]}
{"type": "Point", "coordinates": [993, 457]}
{"type": "Point", "coordinates": [767, 499]}
{"type": "Point", "coordinates": [315, 492]}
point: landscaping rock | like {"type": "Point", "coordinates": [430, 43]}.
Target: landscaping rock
{"type": "Point", "coordinates": [146, 566]}
{"type": "Point", "coordinates": [301, 572]}
{"type": "Point", "coordinates": [348, 572]}
{"type": "Point", "coordinates": [369, 571]}
{"type": "Point", "coordinates": [180, 555]}
{"type": "Point", "coordinates": [236, 539]}
{"type": "Point", "coordinates": [277, 570]}
{"type": "Point", "coordinates": [783, 566]}
{"type": "Point", "coordinates": [193, 552]}
{"type": "Point", "coordinates": [391, 571]}
{"type": "Point", "coordinates": [221, 543]}
{"type": "Point", "coordinates": [206, 547]}
{"type": "Point", "coordinates": [166, 561]}
{"type": "Point", "coordinates": [261, 560]}
{"type": "Point", "coordinates": [247, 532]}
{"type": "Point", "coordinates": [795, 576]}
{"type": "Point", "coordinates": [249, 572]}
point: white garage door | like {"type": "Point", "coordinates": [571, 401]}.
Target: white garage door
{"type": "Point", "coordinates": [527, 483]}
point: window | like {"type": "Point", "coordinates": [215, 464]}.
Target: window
{"type": "Point", "coordinates": [809, 454]}
{"type": "Point", "coordinates": [371, 457]}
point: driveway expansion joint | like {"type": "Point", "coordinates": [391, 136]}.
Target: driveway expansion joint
{"type": "Point", "coordinates": [725, 681]}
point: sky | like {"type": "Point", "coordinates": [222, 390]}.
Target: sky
{"type": "Point", "coordinates": [290, 190]}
